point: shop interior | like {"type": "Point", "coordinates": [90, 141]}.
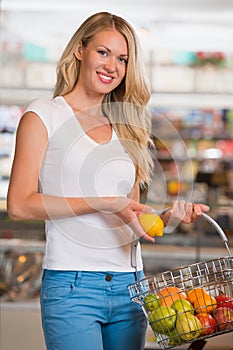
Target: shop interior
{"type": "Point", "coordinates": [188, 51]}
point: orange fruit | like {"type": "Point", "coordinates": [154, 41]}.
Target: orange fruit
{"type": "Point", "coordinates": [201, 300]}
{"type": "Point", "coordinates": [206, 303]}
{"type": "Point", "coordinates": [170, 294]}
{"type": "Point", "coordinates": [194, 294]}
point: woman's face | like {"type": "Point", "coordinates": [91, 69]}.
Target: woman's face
{"type": "Point", "coordinates": [103, 62]}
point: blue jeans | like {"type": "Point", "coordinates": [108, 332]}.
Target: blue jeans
{"type": "Point", "coordinates": [91, 311]}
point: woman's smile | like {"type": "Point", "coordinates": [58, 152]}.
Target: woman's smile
{"type": "Point", "coordinates": [103, 62]}
{"type": "Point", "coordinates": [106, 79]}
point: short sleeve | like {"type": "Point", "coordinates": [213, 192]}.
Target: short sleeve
{"type": "Point", "coordinates": [52, 111]}
{"type": "Point", "coordinates": [42, 108]}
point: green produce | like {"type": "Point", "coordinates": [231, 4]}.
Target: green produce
{"type": "Point", "coordinates": [151, 302]}
{"type": "Point", "coordinates": [174, 338]}
{"type": "Point", "coordinates": [162, 319]}
{"type": "Point", "coordinates": [188, 326]}
{"type": "Point", "coordinates": [182, 305]}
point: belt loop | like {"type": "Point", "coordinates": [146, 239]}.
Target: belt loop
{"type": "Point", "coordinates": [78, 277]}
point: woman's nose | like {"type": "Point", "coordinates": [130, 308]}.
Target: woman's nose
{"type": "Point", "coordinates": [110, 65]}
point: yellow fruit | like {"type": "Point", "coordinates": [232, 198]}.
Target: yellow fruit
{"type": "Point", "coordinates": [182, 305]}
{"type": "Point", "coordinates": [188, 326]}
{"type": "Point", "coordinates": [152, 224]}
{"type": "Point", "coordinates": [162, 319]}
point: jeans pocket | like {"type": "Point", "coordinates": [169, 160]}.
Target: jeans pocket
{"type": "Point", "coordinates": [55, 294]}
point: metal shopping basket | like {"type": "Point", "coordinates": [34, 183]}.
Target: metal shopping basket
{"type": "Point", "coordinates": [191, 303]}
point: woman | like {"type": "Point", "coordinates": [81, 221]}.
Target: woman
{"type": "Point", "coordinates": [87, 147]}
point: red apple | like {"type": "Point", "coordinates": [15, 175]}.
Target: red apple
{"type": "Point", "coordinates": [224, 318]}
{"type": "Point", "coordinates": [208, 323]}
{"type": "Point", "coordinates": [224, 301]}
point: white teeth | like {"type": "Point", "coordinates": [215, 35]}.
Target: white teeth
{"type": "Point", "coordinates": [105, 77]}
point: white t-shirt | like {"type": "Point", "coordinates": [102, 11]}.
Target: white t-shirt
{"type": "Point", "coordinates": [76, 166]}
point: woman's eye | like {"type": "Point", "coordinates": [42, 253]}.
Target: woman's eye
{"type": "Point", "coordinates": [123, 60]}
{"type": "Point", "coordinates": [102, 53]}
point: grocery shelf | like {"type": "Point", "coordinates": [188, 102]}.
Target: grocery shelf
{"type": "Point", "coordinates": [191, 100]}
{"type": "Point", "coordinates": [23, 95]}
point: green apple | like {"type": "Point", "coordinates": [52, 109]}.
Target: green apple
{"type": "Point", "coordinates": [151, 302]}
{"type": "Point", "coordinates": [182, 305]}
{"type": "Point", "coordinates": [162, 319]}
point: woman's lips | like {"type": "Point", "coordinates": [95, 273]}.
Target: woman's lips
{"type": "Point", "coordinates": [105, 78]}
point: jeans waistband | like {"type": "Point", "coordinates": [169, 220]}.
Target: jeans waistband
{"type": "Point", "coordinates": [76, 277]}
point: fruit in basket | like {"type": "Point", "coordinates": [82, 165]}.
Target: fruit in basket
{"type": "Point", "coordinates": [151, 302]}
{"type": "Point", "coordinates": [182, 305]}
{"type": "Point", "coordinates": [188, 326]}
{"type": "Point", "coordinates": [170, 294]}
{"type": "Point", "coordinates": [224, 301]}
{"type": "Point", "coordinates": [224, 318]}
{"type": "Point", "coordinates": [201, 300]}
{"type": "Point", "coordinates": [194, 294]}
{"type": "Point", "coordinates": [208, 323]}
{"type": "Point", "coordinates": [162, 319]}
{"type": "Point", "coordinates": [205, 303]}
{"type": "Point", "coordinates": [152, 224]}
{"type": "Point", "coordinates": [174, 338]}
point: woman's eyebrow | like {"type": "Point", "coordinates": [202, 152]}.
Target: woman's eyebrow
{"type": "Point", "coordinates": [123, 54]}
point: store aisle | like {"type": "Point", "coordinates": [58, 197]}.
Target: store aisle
{"type": "Point", "coordinates": [21, 327]}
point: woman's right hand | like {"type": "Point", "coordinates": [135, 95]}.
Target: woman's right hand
{"type": "Point", "coordinates": [127, 210]}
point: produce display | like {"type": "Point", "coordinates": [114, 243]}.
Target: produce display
{"type": "Point", "coordinates": [184, 315]}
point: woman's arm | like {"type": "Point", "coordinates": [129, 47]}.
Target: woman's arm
{"type": "Point", "coordinates": [24, 202]}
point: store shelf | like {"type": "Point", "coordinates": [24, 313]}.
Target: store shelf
{"type": "Point", "coordinates": [191, 100]}
{"type": "Point", "coordinates": [21, 96]}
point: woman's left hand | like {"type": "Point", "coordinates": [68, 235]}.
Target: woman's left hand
{"type": "Point", "coordinates": [182, 211]}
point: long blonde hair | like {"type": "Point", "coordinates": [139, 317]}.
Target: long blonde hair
{"type": "Point", "coordinates": [125, 106]}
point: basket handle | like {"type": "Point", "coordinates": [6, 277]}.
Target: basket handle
{"type": "Point", "coordinates": [219, 230]}
{"type": "Point", "coordinates": [213, 223]}
{"type": "Point", "coordinates": [216, 226]}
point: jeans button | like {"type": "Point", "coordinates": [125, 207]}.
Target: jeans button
{"type": "Point", "coordinates": [108, 278]}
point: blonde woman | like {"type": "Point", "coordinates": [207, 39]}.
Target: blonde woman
{"type": "Point", "coordinates": [80, 159]}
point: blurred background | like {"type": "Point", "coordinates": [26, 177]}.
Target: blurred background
{"type": "Point", "coordinates": [188, 50]}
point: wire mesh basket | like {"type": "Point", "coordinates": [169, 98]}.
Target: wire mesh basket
{"type": "Point", "coordinates": [188, 303]}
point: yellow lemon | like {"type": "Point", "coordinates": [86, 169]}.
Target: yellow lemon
{"type": "Point", "coordinates": [152, 224]}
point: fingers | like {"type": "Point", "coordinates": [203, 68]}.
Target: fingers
{"type": "Point", "coordinates": [180, 211]}
{"type": "Point", "coordinates": [148, 238]}
{"type": "Point", "coordinates": [144, 208]}
{"type": "Point", "coordinates": [196, 212]}
{"type": "Point", "coordinates": [204, 208]}
{"type": "Point", "coordinates": [138, 230]}
{"type": "Point", "coordinates": [186, 212]}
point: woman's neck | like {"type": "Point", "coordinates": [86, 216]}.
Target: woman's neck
{"type": "Point", "coordinates": [79, 100]}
